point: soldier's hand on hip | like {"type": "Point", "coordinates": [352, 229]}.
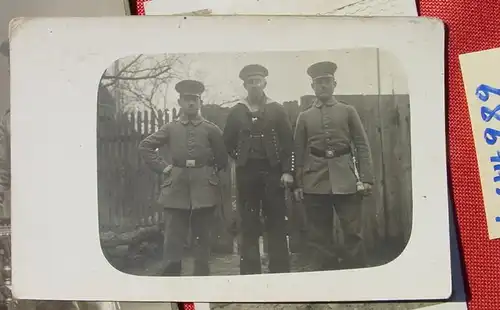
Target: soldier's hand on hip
{"type": "Point", "coordinates": [167, 169]}
{"type": "Point", "coordinates": [299, 194]}
{"type": "Point", "coordinates": [286, 179]}
{"type": "Point", "coordinates": [367, 188]}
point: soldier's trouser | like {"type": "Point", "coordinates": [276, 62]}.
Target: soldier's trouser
{"type": "Point", "coordinates": [297, 228]}
{"type": "Point", "coordinates": [177, 225]}
{"type": "Point", "coordinates": [323, 252]}
{"type": "Point", "coordinates": [258, 186]}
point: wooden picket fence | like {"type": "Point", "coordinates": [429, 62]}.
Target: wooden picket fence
{"type": "Point", "coordinates": [128, 189]}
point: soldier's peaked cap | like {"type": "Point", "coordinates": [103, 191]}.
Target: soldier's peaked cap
{"type": "Point", "coordinates": [322, 69]}
{"type": "Point", "coordinates": [253, 70]}
{"type": "Point", "coordinates": [190, 87]}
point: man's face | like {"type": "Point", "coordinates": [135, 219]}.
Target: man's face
{"type": "Point", "coordinates": [190, 104]}
{"type": "Point", "coordinates": [255, 85]}
{"type": "Point", "coordinates": [324, 86]}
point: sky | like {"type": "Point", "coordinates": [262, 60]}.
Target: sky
{"type": "Point", "coordinates": [288, 80]}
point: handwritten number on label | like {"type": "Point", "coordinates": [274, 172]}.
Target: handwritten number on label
{"type": "Point", "coordinates": [496, 158]}
{"type": "Point", "coordinates": [491, 135]}
{"type": "Point", "coordinates": [487, 114]}
{"type": "Point", "coordinates": [496, 167]}
{"type": "Point", "coordinates": [483, 92]}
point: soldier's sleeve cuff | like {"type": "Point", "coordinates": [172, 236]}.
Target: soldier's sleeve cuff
{"type": "Point", "coordinates": [159, 167]}
{"type": "Point", "coordinates": [232, 154]}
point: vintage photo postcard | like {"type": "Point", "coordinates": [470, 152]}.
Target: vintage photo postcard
{"type": "Point", "coordinates": [206, 163]}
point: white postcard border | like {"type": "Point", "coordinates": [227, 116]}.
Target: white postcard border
{"type": "Point", "coordinates": [56, 66]}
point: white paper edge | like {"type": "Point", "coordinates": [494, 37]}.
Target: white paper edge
{"type": "Point", "coordinates": [69, 204]}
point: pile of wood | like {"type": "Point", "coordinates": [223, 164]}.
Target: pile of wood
{"type": "Point", "coordinates": [130, 250]}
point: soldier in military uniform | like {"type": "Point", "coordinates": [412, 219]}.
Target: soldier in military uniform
{"type": "Point", "coordinates": [327, 136]}
{"type": "Point", "coordinates": [190, 191]}
{"type": "Point", "coordinates": [259, 138]}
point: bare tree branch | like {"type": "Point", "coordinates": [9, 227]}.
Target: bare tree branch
{"type": "Point", "coordinates": [141, 81]}
{"type": "Point", "coordinates": [135, 78]}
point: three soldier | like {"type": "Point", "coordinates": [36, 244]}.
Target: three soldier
{"type": "Point", "coordinates": [327, 137]}
{"type": "Point", "coordinates": [318, 162]}
{"type": "Point", "coordinates": [190, 191]}
{"type": "Point", "coordinates": [259, 137]}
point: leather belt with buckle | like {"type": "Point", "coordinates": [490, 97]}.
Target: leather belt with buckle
{"type": "Point", "coordinates": [329, 153]}
{"type": "Point", "coordinates": [191, 163]}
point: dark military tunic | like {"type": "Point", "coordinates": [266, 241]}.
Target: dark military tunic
{"type": "Point", "coordinates": [257, 149]}
{"type": "Point", "coordinates": [261, 143]}
{"type": "Point", "coordinates": [276, 130]}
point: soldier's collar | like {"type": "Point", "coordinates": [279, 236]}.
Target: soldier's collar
{"type": "Point", "coordinates": [196, 121]}
{"type": "Point", "coordinates": [245, 101]}
{"type": "Point", "coordinates": [318, 103]}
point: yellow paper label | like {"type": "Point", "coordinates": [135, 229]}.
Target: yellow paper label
{"type": "Point", "coordinates": [481, 76]}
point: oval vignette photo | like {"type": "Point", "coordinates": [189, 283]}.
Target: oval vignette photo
{"type": "Point", "coordinates": [247, 163]}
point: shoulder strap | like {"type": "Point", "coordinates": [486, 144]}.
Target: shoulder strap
{"type": "Point", "coordinates": [209, 122]}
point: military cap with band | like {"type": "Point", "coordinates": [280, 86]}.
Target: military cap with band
{"type": "Point", "coordinates": [253, 70]}
{"type": "Point", "coordinates": [322, 69]}
{"type": "Point", "coordinates": [190, 88]}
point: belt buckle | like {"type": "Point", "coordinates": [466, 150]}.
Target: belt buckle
{"type": "Point", "coordinates": [190, 163]}
{"type": "Point", "coordinates": [330, 154]}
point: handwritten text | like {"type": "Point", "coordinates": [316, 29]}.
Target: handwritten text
{"type": "Point", "coordinates": [492, 132]}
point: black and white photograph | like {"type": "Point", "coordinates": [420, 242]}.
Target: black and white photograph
{"type": "Point", "coordinates": [212, 164]}
{"type": "Point", "coordinates": [212, 172]}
